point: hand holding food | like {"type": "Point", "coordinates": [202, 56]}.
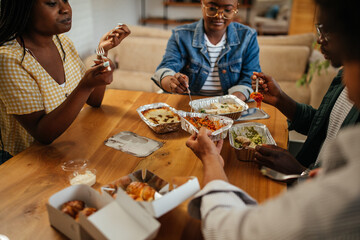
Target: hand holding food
{"type": "Point", "coordinates": [268, 87]}
{"type": "Point", "coordinates": [258, 97]}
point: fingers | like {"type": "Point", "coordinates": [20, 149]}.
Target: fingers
{"type": "Point", "coordinates": [183, 80]}
{"type": "Point", "coordinates": [219, 145]}
{"type": "Point", "coordinates": [267, 150]}
{"type": "Point", "coordinates": [178, 83]}
{"type": "Point", "coordinates": [120, 32]}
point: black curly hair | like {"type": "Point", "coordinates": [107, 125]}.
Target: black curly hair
{"type": "Point", "coordinates": [342, 18]}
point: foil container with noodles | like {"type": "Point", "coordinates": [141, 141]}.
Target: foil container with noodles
{"type": "Point", "coordinates": [159, 128]}
{"type": "Point", "coordinates": [247, 153]}
{"type": "Point", "coordinates": [205, 103]}
{"type": "Point", "coordinates": [215, 135]}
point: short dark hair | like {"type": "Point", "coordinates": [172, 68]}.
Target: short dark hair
{"type": "Point", "coordinates": [14, 16]}
{"type": "Point", "coordinates": [343, 19]}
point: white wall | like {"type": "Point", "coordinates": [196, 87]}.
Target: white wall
{"type": "Point", "coordinates": [93, 18]}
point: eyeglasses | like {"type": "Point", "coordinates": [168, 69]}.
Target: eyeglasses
{"type": "Point", "coordinates": [321, 33]}
{"type": "Point", "coordinates": [213, 11]}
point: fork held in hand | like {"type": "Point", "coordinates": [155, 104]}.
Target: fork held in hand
{"type": "Point", "coordinates": [101, 53]}
{"type": "Point", "coordinates": [278, 175]}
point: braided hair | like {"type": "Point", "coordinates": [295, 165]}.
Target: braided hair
{"type": "Point", "coordinates": [14, 17]}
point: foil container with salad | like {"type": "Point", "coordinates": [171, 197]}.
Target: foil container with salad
{"type": "Point", "coordinates": [227, 105]}
{"type": "Point", "coordinates": [245, 137]}
{"type": "Point", "coordinates": [219, 125]}
{"type": "Point", "coordinates": [160, 117]}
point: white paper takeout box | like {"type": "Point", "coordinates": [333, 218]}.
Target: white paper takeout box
{"type": "Point", "coordinates": [168, 200]}
{"type": "Point", "coordinates": [111, 220]}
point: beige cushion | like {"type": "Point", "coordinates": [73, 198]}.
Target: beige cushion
{"type": "Point", "coordinates": [306, 39]}
{"type": "Point", "coordinates": [140, 53]}
{"type": "Point", "coordinates": [133, 80]}
{"type": "Point", "coordinates": [300, 94]}
{"type": "Point", "coordinates": [141, 31]}
{"type": "Point", "coordinates": [320, 84]}
{"type": "Point", "coordinates": [284, 63]}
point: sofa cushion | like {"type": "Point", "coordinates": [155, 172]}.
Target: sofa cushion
{"type": "Point", "coordinates": [298, 93]}
{"type": "Point", "coordinates": [133, 80]}
{"type": "Point", "coordinates": [140, 53]}
{"type": "Point", "coordinates": [141, 31]}
{"type": "Point", "coordinates": [306, 39]}
{"type": "Point", "coordinates": [284, 63]}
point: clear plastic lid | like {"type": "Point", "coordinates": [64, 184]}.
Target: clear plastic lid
{"type": "Point", "coordinates": [74, 165]}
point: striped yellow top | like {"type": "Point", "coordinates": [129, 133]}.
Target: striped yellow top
{"type": "Point", "coordinates": [26, 87]}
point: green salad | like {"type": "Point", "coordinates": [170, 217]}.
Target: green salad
{"type": "Point", "coordinates": [249, 138]}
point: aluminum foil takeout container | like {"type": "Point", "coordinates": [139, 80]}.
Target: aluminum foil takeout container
{"type": "Point", "coordinates": [247, 153]}
{"type": "Point", "coordinates": [205, 103]}
{"type": "Point", "coordinates": [159, 128]}
{"type": "Point", "coordinates": [216, 135]}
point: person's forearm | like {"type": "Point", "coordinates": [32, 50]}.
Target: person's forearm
{"type": "Point", "coordinates": [96, 97]}
{"type": "Point", "coordinates": [53, 124]}
{"type": "Point", "coordinates": [213, 169]}
{"type": "Point", "coordinates": [286, 105]}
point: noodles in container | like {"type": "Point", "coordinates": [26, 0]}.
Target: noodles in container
{"type": "Point", "coordinates": [245, 137]}
{"type": "Point", "coordinates": [219, 125]}
{"type": "Point", "coordinates": [160, 117]}
{"type": "Point", "coordinates": [228, 106]}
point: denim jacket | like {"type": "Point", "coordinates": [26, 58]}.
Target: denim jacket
{"type": "Point", "coordinates": [186, 52]}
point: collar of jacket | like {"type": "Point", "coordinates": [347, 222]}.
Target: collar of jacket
{"type": "Point", "coordinates": [199, 40]}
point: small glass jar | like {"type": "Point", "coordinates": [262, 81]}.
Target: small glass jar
{"type": "Point", "coordinates": [79, 172]}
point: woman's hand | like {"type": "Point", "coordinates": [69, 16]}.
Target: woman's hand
{"type": "Point", "coordinates": [98, 75]}
{"type": "Point", "coordinates": [114, 37]}
{"type": "Point", "coordinates": [268, 87]}
{"type": "Point", "coordinates": [179, 83]}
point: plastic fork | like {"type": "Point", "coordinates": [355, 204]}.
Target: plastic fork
{"type": "Point", "coordinates": [101, 53]}
{"type": "Point", "coordinates": [188, 90]}
{"type": "Point", "coordinates": [278, 176]}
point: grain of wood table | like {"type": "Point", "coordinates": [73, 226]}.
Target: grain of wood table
{"type": "Point", "coordinates": [31, 177]}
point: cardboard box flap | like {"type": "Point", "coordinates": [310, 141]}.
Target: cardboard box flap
{"type": "Point", "coordinates": [63, 222]}
{"type": "Point", "coordinates": [113, 222]}
{"type": "Point", "coordinates": [172, 199]}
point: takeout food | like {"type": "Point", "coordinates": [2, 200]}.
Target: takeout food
{"type": "Point", "coordinates": [221, 108]}
{"type": "Point", "coordinates": [161, 115]}
{"type": "Point", "coordinates": [199, 122]}
{"type": "Point", "coordinates": [139, 191]}
{"type": "Point", "coordinates": [258, 97]}
{"type": "Point", "coordinates": [251, 139]}
{"type": "Point", "coordinates": [228, 105]}
{"type": "Point", "coordinates": [75, 207]}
